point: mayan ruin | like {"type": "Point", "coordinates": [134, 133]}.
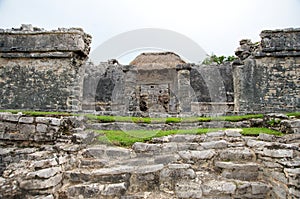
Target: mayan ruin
{"type": "Point", "coordinates": [58, 110]}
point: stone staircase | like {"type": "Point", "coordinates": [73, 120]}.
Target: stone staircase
{"type": "Point", "coordinates": [215, 165]}
{"type": "Point", "coordinates": [51, 158]}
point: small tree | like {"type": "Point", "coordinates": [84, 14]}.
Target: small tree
{"type": "Point", "coordinates": [217, 59]}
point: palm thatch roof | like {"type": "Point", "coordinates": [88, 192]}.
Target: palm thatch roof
{"type": "Point", "coordinates": [157, 60]}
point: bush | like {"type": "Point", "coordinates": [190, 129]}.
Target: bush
{"type": "Point", "coordinates": [217, 59]}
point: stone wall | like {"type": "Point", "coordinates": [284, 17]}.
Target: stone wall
{"type": "Point", "coordinates": [266, 77]}
{"type": "Point", "coordinates": [207, 89]}
{"type": "Point", "coordinates": [212, 86]}
{"type": "Point", "coordinates": [40, 69]}
{"type": "Point", "coordinates": [46, 157]}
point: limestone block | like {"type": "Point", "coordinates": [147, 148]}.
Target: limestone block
{"type": "Point", "coordinates": [48, 120]}
{"type": "Point", "coordinates": [197, 155]}
{"type": "Point", "coordinates": [10, 117]}
{"type": "Point", "coordinates": [218, 187]}
{"type": "Point", "coordinates": [44, 163]}
{"type": "Point", "coordinates": [215, 134]}
{"type": "Point", "coordinates": [188, 189]}
{"type": "Point", "coordinates": [114, 189]}
{"type": "Point", "coordinates": [144, 147]}
{"type": "Point", "coordinates": [26, 120]}
{"type": "Point", "coordinates": [237, 154]}
{"type": "Point", "coordinates": [42, 128]}
{"type": "Point", "coordinates": [278, 153]}
{"type": "Point", "coordinates": [44, 173]}
{"type": "Point", "coordinates": [233, 132]}
{"type": "Point", "coordinates": [259, 188]}
{"type": "Point", "coordinates": [214, 144]}
{"type": "Point", "coordinates": [34, 184]}
{"type": "Point", "coordinates": [90, 190]}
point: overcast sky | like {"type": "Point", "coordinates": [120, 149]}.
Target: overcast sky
{"type": "Point", "coordinates": [216, 25]}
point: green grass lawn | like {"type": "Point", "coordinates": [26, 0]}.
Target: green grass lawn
{"type": "Point", "coordinates": [38, 113]}
{"type": "Point", "coordinates": [148, 120]}
{"type": "Point", "coordinates": [168, 120]}
{"type": "Point", "coordinates": [126, 139]}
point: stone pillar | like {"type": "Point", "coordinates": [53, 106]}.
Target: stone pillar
{"type": "Point", "coordinates": [130, 102]}
{"type": "Point", "coordinates": [184, 88]}
{"type": "Point", "coordinates": [41, 70]}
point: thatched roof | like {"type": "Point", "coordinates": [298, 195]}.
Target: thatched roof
{"type": "Point", "coordinates": [157, 60]}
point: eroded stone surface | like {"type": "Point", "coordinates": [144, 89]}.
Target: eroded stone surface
{"type": "Point", "coordinates": [223, 164]}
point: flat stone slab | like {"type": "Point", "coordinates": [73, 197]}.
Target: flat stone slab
{"type": "Point", "coordinates": [249, 166]}
{"type": "Point", "coordinates": [197, 155]}
{"type": "Point", "coordinates": [278, 153]}
{"type": "Point", "coordinates": [218, 187]}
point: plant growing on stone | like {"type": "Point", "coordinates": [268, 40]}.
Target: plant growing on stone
{"type": "Point", "coordinates": [214, 59]}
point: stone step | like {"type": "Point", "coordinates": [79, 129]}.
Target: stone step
{"type": "Point", "coordinates": [96, 190]}
{"type": "Point", "coordinates": [237, 154]}
{"type": "Point", "coordinates": [142, 161]}
{"type": "Point", "coordinates": [116, 174]}
{"type": "Point", "coordinates": [107, 152]}
{"type": "Point", "coordinates": [150, 149]}
{"type": "Point", "coordinates": [93, 163]}
{"type": "Point", "coordinates": [105, 175]}
{"type": "Point", "coordinates": [247, 171]}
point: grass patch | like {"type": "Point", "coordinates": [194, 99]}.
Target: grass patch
{"type": "Point", "coordinates": [173, 120]}
{"type": "Point", "coordinates": [128, 138]}
{"type": "Point", "coordinates": [169, 120]}
{"type": "Point", "coordinates": [147, 120]}
{"type": "Point", "coordinates": [38, 113]}
{"type": "Point", "coordinates": [295, 114]}
{"type": "Point", "coordinates": [257, 131]}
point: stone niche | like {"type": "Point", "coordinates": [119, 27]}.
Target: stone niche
{"type": "Point", "coordinates": [160, 83]}
{"type": "Point", "coordinates": [40, 69]}
{"type": "Point", "coordinates": [157, 82]}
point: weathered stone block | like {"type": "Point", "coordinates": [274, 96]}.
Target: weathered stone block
{"type": "Point", "coordinates": [259, 188]}
{"type": "Point", "coordinates": [197, 155]}
{"type": "Point", "coordinates": [35, 184]}
{"type": "Point", "coordinates": [41, 164]}
{"type": "Point", "coordinates": [91, 190]}
{"type": "Point", "coordinates": [144, 147]}
{"type": "Point", "coordinates": [9, 117]}
{"type": "Point", "coordinates": [44, 173]}
{"type": "Point", "coordinates": [278, 153]}
{"type": "Point", "coordinates": [114, 189]}
{"type": "Point", "coordinates": [214, 144]}
{"type": "Point", "coordinates": [188, 189]}
{"type": "Point", "coordinates": [48, 120]}
{"type": "Point", "coordinates": [237, 154]}
{"type": "Point", "coordinates": [214, 187]}
{"type": "Point", "coordinates": [26, 120]}
{"type": "Point", "coordinates": [233, 132]}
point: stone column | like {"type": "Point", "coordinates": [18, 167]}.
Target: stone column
{"type": "Point", "coordinates": [130, 102]}
{"type": "Point", "coordinates": [184, 88]}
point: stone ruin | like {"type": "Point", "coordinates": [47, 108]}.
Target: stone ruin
{"type": "Point", "coordinates": [61, 157]}
{"type": "Point", "coordinates": [49, 70]}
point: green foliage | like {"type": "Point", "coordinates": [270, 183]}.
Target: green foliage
{"type": "Point", "coordinates": [274, 122]}
{"type": "Point", "coordinates": [257, 131]}
{"type": "Point", "coordinates": [217, 59]}
{"type": "Point", "coordinates": [294, 114]}
{"type": "Point", "coordinates": [173, 120]}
